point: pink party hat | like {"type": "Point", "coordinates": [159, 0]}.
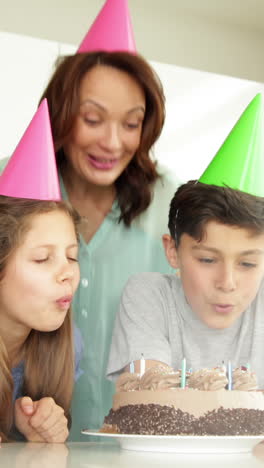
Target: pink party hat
{"type": "Point", "coordinates": [111, 30]}
{"type": "Point", "coordinates": [31, 171]}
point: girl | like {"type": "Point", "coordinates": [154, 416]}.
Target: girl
{"type": "Point", "coordinates": [39, 274]}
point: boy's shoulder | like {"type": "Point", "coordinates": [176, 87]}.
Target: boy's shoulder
{"type": "Point", "coordinates": [151, 280]}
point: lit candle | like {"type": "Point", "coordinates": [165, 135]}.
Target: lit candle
{"type": "Point", "coordinates": [142, 365]}
{"type": "Point", "coordinates": [183, 373]}
{"type": "Point", "coordinates": [229, 375]}
{"type": "Point", "coordinates": [131, 367]}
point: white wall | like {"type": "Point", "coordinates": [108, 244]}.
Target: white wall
{"type": "Point", "coordinates": [201, 107]}
{"type": "Point", "coordinates": [26, 64]}
{"type": "Point", "coordinates": [201, 110]}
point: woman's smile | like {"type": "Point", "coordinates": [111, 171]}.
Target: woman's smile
{"type": "Point", "coordinates": [102, 163]}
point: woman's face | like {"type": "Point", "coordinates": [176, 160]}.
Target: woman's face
{"type": "Point", "coordinates": [41, 276]}
{"type": "Point", "coordinates": [108, 127]}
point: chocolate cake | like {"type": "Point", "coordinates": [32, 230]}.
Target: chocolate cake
{"type": "Point", "coordinates": [155, 403]}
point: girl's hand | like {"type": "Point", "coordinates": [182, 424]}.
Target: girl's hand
{"type": "Point", "coordinates": [41, 421]}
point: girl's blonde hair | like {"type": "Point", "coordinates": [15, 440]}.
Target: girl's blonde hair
{"type": "Point", "coordinates": [48, 356]}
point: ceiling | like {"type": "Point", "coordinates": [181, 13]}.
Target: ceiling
{"type": "Point", "coordinates": [171, 31]}
{"type": "Point", "coordinates": [246, 14]}
{"type": "Point", "coordinates": [67, 20]}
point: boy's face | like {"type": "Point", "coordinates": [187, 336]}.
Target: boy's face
{"type": "Point", "coordinates": [221, 274]}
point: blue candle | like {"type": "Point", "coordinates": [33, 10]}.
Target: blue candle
{"type": "Point", "coordinates": [131, 367]}
{"type": "Point", "coordinates": [183, 373]}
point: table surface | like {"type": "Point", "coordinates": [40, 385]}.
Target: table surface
{"type": "Point", "coordinates": [109, 454]}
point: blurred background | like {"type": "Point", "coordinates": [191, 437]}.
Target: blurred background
{"type": "Point", "coordinates": [208, 54]}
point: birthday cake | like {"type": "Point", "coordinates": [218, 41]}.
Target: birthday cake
{"type": "Point", "coordinates": [156, 404]}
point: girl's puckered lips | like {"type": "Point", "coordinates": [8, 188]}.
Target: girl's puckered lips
{"type": "Point", "coordinates": [64, 302]}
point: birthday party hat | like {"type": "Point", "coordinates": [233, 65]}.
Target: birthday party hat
{"type": "Point", "coordinates": [239, 163]}
{"type": "Point", "coordinates": [31, 171]}
{"type": "Point", "coordinates": [111, 30]}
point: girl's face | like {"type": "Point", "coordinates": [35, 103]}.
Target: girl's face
{"type": "Point", "coordinates": [41, 276]}
{"type": "Point", "coordinates": [108, 127]}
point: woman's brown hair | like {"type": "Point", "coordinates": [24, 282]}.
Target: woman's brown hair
{"type": "Point", "coordinates": [195, 204]}
{"type": "Point", "coordinates": [62, 93]}
{"type": "Point", "coordinates": [48, 356]}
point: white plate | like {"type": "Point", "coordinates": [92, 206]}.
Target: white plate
{"type": "Point", "coordinates": [182, 444]}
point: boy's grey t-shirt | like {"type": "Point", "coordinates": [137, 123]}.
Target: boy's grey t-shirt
{"type": "Point", "coordinates": [155, 319]}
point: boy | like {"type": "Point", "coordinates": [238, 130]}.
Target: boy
{"type": "Point", "coordinates": [213, 311]}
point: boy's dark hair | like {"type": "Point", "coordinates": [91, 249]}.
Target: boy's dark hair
{"type": "Point", "coordinates": [195, 204]}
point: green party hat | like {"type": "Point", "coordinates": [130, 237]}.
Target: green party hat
{"type": "Point", "coordinates": [239, 163]}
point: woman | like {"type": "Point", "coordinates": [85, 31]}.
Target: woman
{"type": "Point", "coordinates": [107, 111]}
{"type": "Point", "coordinates": [39, 274]}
